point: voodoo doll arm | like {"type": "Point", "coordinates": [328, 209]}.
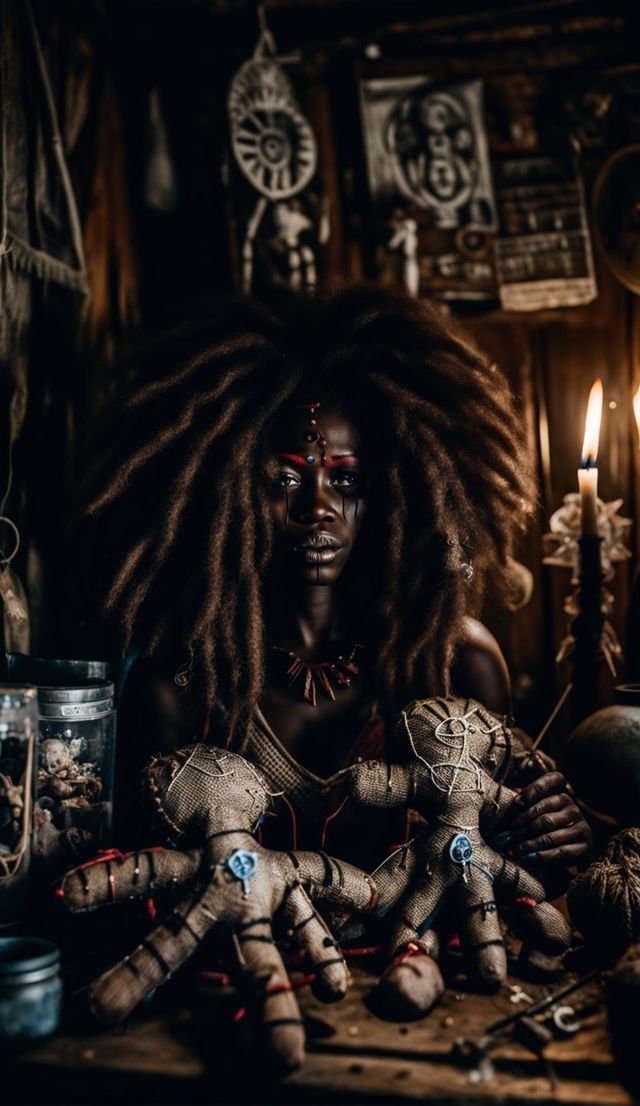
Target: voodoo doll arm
{"type": "Point", "coordinates": [217, 798]}
{"type": "Point", "coordinates": [115, 876]}
{"type": "Point", "coordinates": [451, 742]}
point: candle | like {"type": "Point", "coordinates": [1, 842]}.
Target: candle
{"type": "Point", "coordinates": [636, 409]}
{"type": "Point", "coordinates": [588, 473]}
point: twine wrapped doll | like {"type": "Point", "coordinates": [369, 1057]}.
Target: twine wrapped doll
{"type": "Point", "coordinates": [453, 745]}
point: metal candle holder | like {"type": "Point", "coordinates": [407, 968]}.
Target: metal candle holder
{"type": "Point", "coordinates": [593, 639]}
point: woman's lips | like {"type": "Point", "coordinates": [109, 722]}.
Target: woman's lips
{"type": "Point", "coordinates": [318, 548]}
{"type": "Point", "coordinates": [319, 555]}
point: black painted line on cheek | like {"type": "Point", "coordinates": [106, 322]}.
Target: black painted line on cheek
{"type": "Point", "coordinates": [356, 511]}
{"type": "Point", "coordinates": [286, 496]}
{"type": "Point", "coordinates": [344, 507]}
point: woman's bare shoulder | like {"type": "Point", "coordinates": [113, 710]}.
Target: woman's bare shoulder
{"type": "Point", "coordinates": [480, 670]}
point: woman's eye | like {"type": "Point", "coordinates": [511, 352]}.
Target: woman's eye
{"type": "Point", "coordinates": [345, 479]}
{"type": "Point", "coordinates": [286, 480]}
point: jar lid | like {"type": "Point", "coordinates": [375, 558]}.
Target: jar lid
{"type": "Point", "coordinates": [26, 954]}
{"type": "Point", "coordinates": [56, 671]}
{"type": "Point", "coordinates": [16, 695]}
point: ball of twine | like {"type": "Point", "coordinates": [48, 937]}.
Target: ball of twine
{"type": "Point", "coordinates": [604, 902]}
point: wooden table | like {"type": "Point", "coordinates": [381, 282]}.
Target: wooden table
{"type": "Point", "coordinates": [167, 1054]}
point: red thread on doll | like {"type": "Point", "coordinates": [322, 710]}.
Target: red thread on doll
{"type": "Point", "coordinates": [411, 950]}
{"type": "Point", "coordinates": [328, 819]}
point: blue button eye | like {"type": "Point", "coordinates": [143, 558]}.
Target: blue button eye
{"type": "Point", "coordinates": [310, 460]}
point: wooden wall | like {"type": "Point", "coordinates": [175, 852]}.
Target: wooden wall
{"type": "Point", "coordinates": [533, 58]}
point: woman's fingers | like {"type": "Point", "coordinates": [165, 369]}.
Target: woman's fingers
{"type": "Point", "coordinates": [550, 821]}
{"type": "Point", "coordinates": [545, 807]}
{"type": "Point", "coordinates": [538, 846]}
{"type": "Point", "coordinates": [551, 783]}
{"type": "Point", "coordinates": [312, 934]}
{"type": "Point", "coordinates": [565, 854]}
{"type": "Point", "coordinates": [265, 980]}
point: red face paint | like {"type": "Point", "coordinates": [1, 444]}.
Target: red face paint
{"type": "Point", "coordinates": [294, 458]}
{"type": "Point", "coordinates": [339, 460]}
{"type": "Point", "coordinates": [297, 459]}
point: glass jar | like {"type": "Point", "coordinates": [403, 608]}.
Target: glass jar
{"type": "Point", "coordinates": [76, 752]}
{"type": "Point", "coordinates": [30, 988]}
{"type": "Point", "coordinates": [18, 729]}
{"type": "Point", "coordinates": [74, 788]}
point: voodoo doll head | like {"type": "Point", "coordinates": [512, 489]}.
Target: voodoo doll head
{"type": "Point", "coordinates": [196, 790]}
{"type": "Point", "coordinates": [454, 746]}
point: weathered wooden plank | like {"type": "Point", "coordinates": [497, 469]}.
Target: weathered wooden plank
{"type": "Point", "coordinates": [460, 1014]}
{"type": "Point", "coordinates": [334, 1078]}
{"type": "Point", "coordinates": [346, 1037]}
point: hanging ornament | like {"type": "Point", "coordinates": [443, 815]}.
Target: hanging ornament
{"type": "Point", "coordinates": [276, 151]}
{"type": "Point", "coordinates": [272, 141]}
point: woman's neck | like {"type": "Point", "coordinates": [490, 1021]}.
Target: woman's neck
{"type": "Point", "coordinates": [305, 620]}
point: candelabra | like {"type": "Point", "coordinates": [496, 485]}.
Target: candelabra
{"type": "Point", "coordinates": [591, 643]}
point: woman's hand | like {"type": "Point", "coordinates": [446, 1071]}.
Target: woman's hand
{"type": "Point", "coordinates": [547, 827]}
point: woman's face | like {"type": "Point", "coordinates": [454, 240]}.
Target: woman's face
{"type": "Point", "coordinates": [316, 491]}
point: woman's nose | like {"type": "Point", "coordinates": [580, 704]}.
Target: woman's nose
{"type": "Point", "coordinates": [315, 506]}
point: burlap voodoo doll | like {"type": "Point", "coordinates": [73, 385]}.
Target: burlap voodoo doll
{"type": "Point", "coordinates": [214, 800]}
{"type": "Point", "coordinates": [453, 747]}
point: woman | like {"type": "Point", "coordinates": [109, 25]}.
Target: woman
{"type": "Point", "coordinates": [313, 496]}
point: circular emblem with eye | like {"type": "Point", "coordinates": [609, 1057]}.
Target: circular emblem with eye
{"type": "Point", "coordinates": [461, 849]}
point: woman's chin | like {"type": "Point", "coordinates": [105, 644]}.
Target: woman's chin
{"type": "Point", "coordinates": [326, 574]}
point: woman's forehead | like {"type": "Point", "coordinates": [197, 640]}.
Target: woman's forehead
{"type": "Point", "coordinates": [306, 424]}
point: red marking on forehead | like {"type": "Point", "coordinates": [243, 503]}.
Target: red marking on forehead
{"type": "Point", "coordinates": [324, 463]}
{"type": "Point", "coordinates": [340, 460]}
{"type": "Point", "coordinates": [295, 457]}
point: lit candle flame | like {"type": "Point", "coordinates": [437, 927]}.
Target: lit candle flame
{"type": "Point", "coordinates": [592, 427]}
{"type": "Point", "coordinates": [636, 409]}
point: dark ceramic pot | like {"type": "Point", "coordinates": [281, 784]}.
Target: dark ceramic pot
{"type": "Point", "coordinates": [602, 762]}
{"type": "Point", "coordinates": [628, 695]}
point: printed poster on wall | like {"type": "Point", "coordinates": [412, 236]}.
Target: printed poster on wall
{"type": "Point", "coordinates": [430, 181]}
{"type": "Point", "coordinates": [544, 257]}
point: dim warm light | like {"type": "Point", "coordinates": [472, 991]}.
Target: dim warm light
{"type": "Point", "coordinates": [636, 409]}
{"type": "Point", "coordinates": [592, 426]}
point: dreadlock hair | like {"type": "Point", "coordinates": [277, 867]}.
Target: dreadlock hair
{"type": "Point", "coordinates": [185, 485]}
